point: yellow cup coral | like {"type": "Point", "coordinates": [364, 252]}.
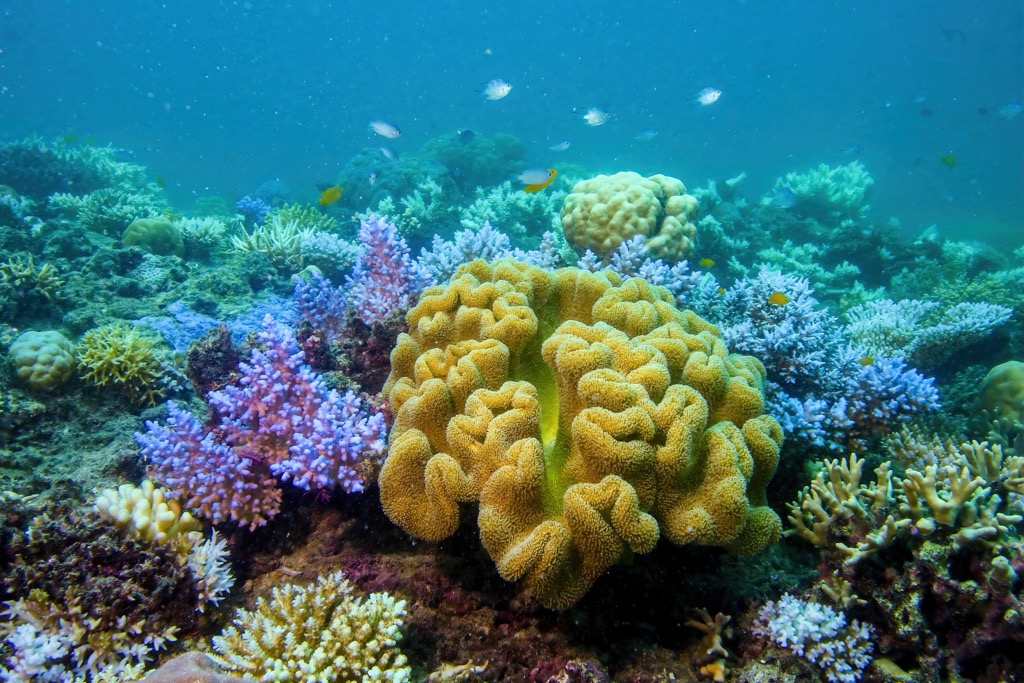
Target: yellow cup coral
{"type": "Point", "coordinates": [600, 213]}
{"type": "Point", "coordinates": [587, 415]}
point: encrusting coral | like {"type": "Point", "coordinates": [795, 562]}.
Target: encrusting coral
{"type": "Point", "coordinates": [603, 212]}
{"type": "Point", "coordinates": [320, 632]}
{"type": "Point", "coordinates": [586, 414]}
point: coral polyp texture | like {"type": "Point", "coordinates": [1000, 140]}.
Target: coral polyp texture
{"type": "Point", "coordinates": [320, 632]}
{"type": "Point", "coordinates": [603, 212]}
{"type": "Point", "coordinates": [586, 414]}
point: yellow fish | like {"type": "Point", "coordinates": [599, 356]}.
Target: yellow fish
{"type": "Point", "coordinates": [866, 360]}
{"type": "Point", "coordinates": [706, 262]}
{"type": "Point", "coordinates": [720, 290]}
{"type": "Point", "coordinates": [778, 299]}
{"type": "Point", "coordinates": [537, 187]}
{"type": "Point", "coordinates": [330, 195]}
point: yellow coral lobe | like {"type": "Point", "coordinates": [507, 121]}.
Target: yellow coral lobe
{"type": "Point", "coordinates": [586, 415]}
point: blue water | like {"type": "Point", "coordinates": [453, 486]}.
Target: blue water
{"type": "Point", "coordinates": [217, 97]}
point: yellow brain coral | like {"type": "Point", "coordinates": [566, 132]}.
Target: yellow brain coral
{"type": "Point", "coordinates": [600, 213]}
{"type": "Point", "coordinates": [587, 416]}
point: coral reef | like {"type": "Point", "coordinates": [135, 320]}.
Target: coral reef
{"type": "Point", "coordinates": [1002, 392]}
{"type": "Point", "coordinates": [521, 215]}
{"type": "Point", "coordinates": [586, 414]}
{"type": "Point", "coordinates": [144, 512]}
{"type": "Point", "coordinates": [156, 235]}
{"type": "Point", "coordinates": [92, 598]}
{"type": "Point", "coordinates": [923, 332]}
{"type": "Point", "coordinates": [23, 286]}
{"type": "Point", "coordinates": [322, 632]}
{"type": "Point", "coordinates": [602, 212]}
{"type": "Point", "coordinates": [818, 634]}
{"type": "Point", "coordinates": [917, 554]}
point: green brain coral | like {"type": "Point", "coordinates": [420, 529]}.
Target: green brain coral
{"type": "Point", "coordinates": [588, 416]}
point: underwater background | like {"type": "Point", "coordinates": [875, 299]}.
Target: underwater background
{"type": "Point", "coordinates": [554, 342]}
{"type": "Point", "coordinates": [221, 96]}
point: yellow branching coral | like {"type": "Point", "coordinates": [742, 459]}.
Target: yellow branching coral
{"type": "Point", "coordinates": [602, 212]}
{"type": "Point", "coordinates": [320, 632]}
{"type": "Point", "coordinates": [124, 355]}
{"type": "Point", "coordinates": [588, 416]}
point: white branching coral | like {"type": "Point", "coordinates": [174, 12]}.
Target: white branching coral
{"type": "Point", "coordinates": [278, 239]}
{"type": "Point", "coordinates": [208, 562]}
{"type": "Point", "coordinates": [819, 634]}
{"type": "Point", "coordinates": [923, 332]}
{"type": "Point", "coordinates": [321, 632]}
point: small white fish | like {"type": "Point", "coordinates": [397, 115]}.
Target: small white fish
{"type": "Point", "coordinates": [595, 117]}
{"type": "Point", "coordinates": [386, 129]}
{"type": "Point", "coordinates": [645, 135]}
{"type": "Point", "coordinates": [708, 96]}
{"type": "Point", "coordinates": [560, 146]}
{"type": "Point", "coordinates": [389, 153]}
{"type": "Point", "coordinates": [496, 89]}
{"type": "Point", "coordinates": [534, 176]}
{"type": "Point", "coordinates": [373, 178]}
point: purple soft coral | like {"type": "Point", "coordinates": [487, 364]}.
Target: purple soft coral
{"type": "Point", "coordinates": [254, 209]}
{"type": "Point", "coordinates": [208, 477]}
{"type": "Point", "coordinates": [384, 280]}
{"type": "Point", "coordinates": [320, 303]}
{"type": "Point", "coordinates": [281, 412]}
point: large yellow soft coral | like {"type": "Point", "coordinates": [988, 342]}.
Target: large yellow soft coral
{"type": "Point", "coordinates": [587, 416]}
{"type": "Point", "coordinates": [600, 213]}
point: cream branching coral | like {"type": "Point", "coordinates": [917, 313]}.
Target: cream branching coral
{"type": "Point", "coordinates": [321, 632]}
{"type": "Point", "coordinates": [146, 512]}
{"type": "Point", "coordinates": [588, 416]}
{"type": "Point", "coordinates": [603, 212]}
{"type": "Point", "coordinates": [973, 499]}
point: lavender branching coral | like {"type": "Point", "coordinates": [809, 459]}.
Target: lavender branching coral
{"type": "Point", "coordinates": [279, 421]}
{"type": "Point", "coordinates": [632, 258]}
{"type": "Point", "coordinates": [487, 243]}
{"type": "Point", "coordinates": [923, 332]}
{"type": "Point", "coordinates": [821, 388]}
{"type": "Point", "coordinates": [384, 280]}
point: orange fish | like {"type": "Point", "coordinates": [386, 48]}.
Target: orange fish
{"type": "Point", "coordinates": [537, 187]}
{"type": "Point", "coordinates": [330, 195]}
{"type": "Point", "coordinates": [778, 299]}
